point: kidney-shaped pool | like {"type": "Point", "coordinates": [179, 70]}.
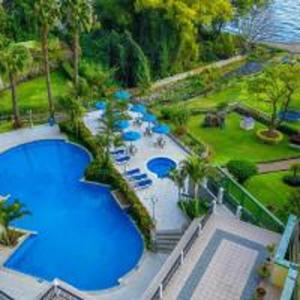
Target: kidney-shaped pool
{"type": "Point", "coordinates": [83, 238]}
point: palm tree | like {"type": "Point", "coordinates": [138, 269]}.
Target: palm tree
{"type": "Point", "coordinates": [73, 109]}
{"type": "Point", "coordinates": [79, 15]}
{"type": "Point", "coordinates": [196, 169]}
{"type": "Point", "coordinates": [46, 14]}
{"type": "Point", "coordinates": [10, 212]}
{"type": "Point", "coordinates": [13, 61]}
{"type": "Point", "coordinates": [178, 176]}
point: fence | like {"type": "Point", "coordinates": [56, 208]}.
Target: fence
{"type": "Point", "coordinates": [236, 195]}
{"type": "Point", "coordinates": [175, 260]}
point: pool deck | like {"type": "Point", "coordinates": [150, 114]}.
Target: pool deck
{"type": "Point", "coordinates": [167, 214]}
{"type": "Point", "coordinates": [27, 135]}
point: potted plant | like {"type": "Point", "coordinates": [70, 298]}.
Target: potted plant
{"type": "Point", "coordinates": [260, 293]}
{"type": "Point", "coordinates": [264, 271]}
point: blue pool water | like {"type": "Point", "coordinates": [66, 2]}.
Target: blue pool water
{"type": "Point", "coordinates": [161, 166]}
{"type": "Point", "coordinates": [83, 238]}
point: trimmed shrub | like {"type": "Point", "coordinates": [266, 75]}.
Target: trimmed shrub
{"type": "Point", "coordinates": [276, 139]}
{"type": "Point", "coordinates": [242, 170]}
{"type": "Point", "coordinates": [291, 180]}
{"type": "Point", "coordinates": [295, 139]}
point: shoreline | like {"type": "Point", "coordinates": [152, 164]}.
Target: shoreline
{"type": "Point", "coordinates": [293, 48]}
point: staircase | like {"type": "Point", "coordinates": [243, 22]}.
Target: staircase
{"type": "Point", "coordinates": [166, 241]}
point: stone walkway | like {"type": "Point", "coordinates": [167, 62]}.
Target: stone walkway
{"type": "Point", "coordinates": [181, 76]}
{"type": "Point", "coordinates": [223, 261]}
{"type": "Point", "coordinates": [276, 166]}
{"type": "Point", "coordinates": [292, 48]}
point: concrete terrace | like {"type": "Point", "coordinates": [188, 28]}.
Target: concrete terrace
{"type": "Point", "coordinates": [223, 261]}
{"type": "Point", "coordinates": [168, 215]}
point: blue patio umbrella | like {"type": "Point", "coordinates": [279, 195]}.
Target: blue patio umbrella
{"type": "Point", "coordinates": [122, 124]}
{"type": "Point", "coordinates": [131, 136]}
{"type": "Point", "coordinates": [101, 105]}
{"type": "Point", "coordinates": [122, 95]}
{"type": "Point", "coordinates": [149, 118]}
{"type": "Point", "coordinates": [139, 108]}
{"type": "Point", "coordinates": [161, 129]}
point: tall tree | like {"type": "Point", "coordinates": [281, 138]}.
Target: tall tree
{"type": "Point", "coordinates": [46, 14]}
{"type": "Point", "coordinates": [79, 18]}
{"type": "Point", "coordinates": [14, 59]}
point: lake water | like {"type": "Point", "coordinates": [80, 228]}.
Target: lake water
{"type": "Point", "coordinates": [285, 21]}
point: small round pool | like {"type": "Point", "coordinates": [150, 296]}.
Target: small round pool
{"type": "Point", "coordinates": [161, 166]}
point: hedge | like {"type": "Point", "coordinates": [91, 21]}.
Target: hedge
{"type": "Point", "coordinates": [105, 172]}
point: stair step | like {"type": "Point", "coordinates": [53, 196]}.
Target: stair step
{"type": "Point", "coordinates": [169, 237]}
{"type": "Point", "coordinates": [173, 243]}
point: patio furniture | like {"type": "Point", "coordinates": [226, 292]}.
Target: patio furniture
{"type": "Point", "coordinates": [132, 172]}
{"type": "Point", "coordinates": [248, 123]}
{"type": "Point", "coordinates": [122, 95]}
{"type": "Point", "coordinates": [122, 160]}
{"type": "Point", "coordinates": [148, 132]}
{"type": "Point", "coordinates": [133, 149]}
{"type": "Point", "coordinates": [122, 124]}
{"type": "Point", "coordinates": [138, 177]}
{"type": "Point", "coordinates": [101, 105]}
{"type": "Point", "coordinates": [143, 184]}
{"type": "Point", "coordinates": [118, 152]}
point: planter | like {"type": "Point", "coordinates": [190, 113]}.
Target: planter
{"type": "Point", "coordinates": [264, 136]}
{"type": "Point", "coordinates": [260, 293]}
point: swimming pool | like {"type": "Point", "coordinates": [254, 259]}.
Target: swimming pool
{"type": "Point", "coordinates": [83, 238]}
{"type": "Point", "coordinates": [161, 166]}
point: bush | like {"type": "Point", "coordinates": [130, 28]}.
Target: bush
{"type": "Point", "coordinates": [242, 170]}
{"type": "Point", "coordinates": [295, 139]}
{"type": "Point", "coordinates": [276, 139]}
{"type": "Point", "coordinates": [193, 208]}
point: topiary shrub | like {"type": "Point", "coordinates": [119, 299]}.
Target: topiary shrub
{"type": "Point", "coordinates": [294, 178]}
{"type": "Point", "coordinates": [242, 170]}
{"type": "Point", "coordinates": [263, 135]}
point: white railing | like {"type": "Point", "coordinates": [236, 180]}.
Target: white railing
{"type": "Point", "coordinates": [175, 260]}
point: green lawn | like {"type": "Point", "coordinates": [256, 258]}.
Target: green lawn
{"type": "Point", "coordinates": [5, 126]}
{"type": "Point", "coordinates": [234, 143]}
{"type": "Point", "coordinates": [271, 191]}
{"type": "Point", "coordinates": [33, 94]}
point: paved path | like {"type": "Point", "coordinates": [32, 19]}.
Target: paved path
{"type": "Point", "coordinates": [16, 137]}
{"type": "Point", "coordinates": [222, 63]}
{"type": "Point", "coordinates": [223, 261]}
{"type": "Point", "coordinates": [276, 166]}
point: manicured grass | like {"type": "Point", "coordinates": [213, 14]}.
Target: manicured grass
{"type": "Point", "coordinates": [234, 143]}
{"type": "Point", "coordinates": [33, 94]}
{"type": "Point", "coordinates": [271, 191]}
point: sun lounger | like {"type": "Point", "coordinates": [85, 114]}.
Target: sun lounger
{"type": "Point", "coordinates": [122, 160]}
{"type": "Point", "coordinates": [117, 152]}
{"type": "Point", "coordinates": [132, 172]}
{"type": "Point", "coordinates": [143, 184]}
{"type": "Point", "coordinates": [139, 177]}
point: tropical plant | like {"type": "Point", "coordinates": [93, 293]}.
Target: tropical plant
{"type": "Point", "coordinates": [46, 14]}
{"type": "Point", "coordinates": [193, 208]}
{"type": "Point", "coordinates": [294, 178]}
{"type": "Point", "coordinates": [10, 212]}
{"type": "Point", "coordinates": [14, 58]}
{"type": "Point", "coordinates": [79, 18]}
{"type": "Point", "coordinates": [73, 109]}
{"type": "Point", "coordinates": [196, 169]}
{"type": "Point", "coordinates": [178, 177]}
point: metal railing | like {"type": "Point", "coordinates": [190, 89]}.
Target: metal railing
{"type": "Point", "coordinates": [4, 296]}
{"type": "Point", "coordinates": [59, 292]}
{"type": "Point", "coordinates": [176, 259]}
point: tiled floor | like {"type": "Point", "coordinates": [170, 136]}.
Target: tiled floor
{"type": "Point", "coordinates": [168, 215]}
{"type": "Point", "coordinates": [222, 263]}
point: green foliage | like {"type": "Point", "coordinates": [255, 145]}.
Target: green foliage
{"type": "Point", "coordinates": [9, 212]}
{"type": "Point", "coordinates": [293, 204]}
{"type": "Point", "coordinates": [242, 170]}
{"type": "Point", "coordinates": [294, 178]}
{"type": "Point", "coordinates": [194, 208]}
